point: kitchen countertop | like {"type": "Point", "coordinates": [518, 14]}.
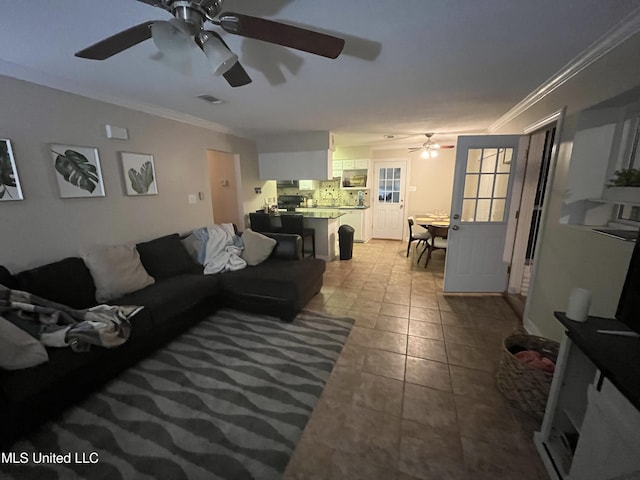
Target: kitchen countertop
{"type": "Point", "coordinates": [339, 207]}
{"type": "Point", "coordinates": [327, 215]}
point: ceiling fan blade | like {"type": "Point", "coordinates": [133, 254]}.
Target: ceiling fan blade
{"type": "Point", "coordinates": [237, 76]}
{"type": "Point", "coordinates": [282, 34]}
{"type": "Point", "coordinates": [447, 146]}
{"type": "Point", "coordinates": [118, 42]}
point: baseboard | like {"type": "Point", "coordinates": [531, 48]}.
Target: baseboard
{"type": "Point", "coordinates": [530, 327]}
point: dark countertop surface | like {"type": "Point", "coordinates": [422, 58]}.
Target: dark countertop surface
{"type": "Point", "coordinates": [327, 215]}
{"type": "Point", "coordinates": [617, 357]}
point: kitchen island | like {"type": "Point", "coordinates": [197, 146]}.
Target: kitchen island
{"type": "Point", "coordinates": [325, 223]}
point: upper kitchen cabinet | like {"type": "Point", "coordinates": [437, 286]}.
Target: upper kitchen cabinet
{"type": "Point", "coordinates": [314, 165]}
{"type": "Point", "coordinates": [307, 155]}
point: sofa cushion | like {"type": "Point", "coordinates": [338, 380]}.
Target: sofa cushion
{"type": "Point", "coordinates": [67, 281]}
{"type": "Point", "coordinates": [166, 299]}
{"type": "Point", "coordinates": [276, 279]}
{"type": "Point", "coordinates": [257, 247]}
{"type": "Point", "coordinates": [19, 385]}
{"type": "Point", "coordinates": [166, 257]}
{"type": "Point", "coordinates": [116, 270]}
{"type": "Point", "coordinates": [18, 349]}
{"type": "Point", "coordinates": [7, 279]}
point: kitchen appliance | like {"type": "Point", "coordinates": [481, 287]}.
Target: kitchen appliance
{"type": "Point", "coordinates": [289, 202]}
{"type": "Point", "coordinates": [360, 198]}
{"type": "Point", "coordinates": [287, 183]}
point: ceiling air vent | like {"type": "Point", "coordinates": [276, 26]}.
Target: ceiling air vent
{"type": "Point", "coordinates": [211, 99]}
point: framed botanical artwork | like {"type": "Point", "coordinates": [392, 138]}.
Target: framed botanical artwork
{"type": "Point", "coordinates": [9, 182]}
{"type": "Point", "coordinates": [77, 171]}
{"type": "Point", "coordinates": [139, 174]}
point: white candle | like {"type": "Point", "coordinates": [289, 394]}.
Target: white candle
{"type": "Point", "coordinates": [579, 303]}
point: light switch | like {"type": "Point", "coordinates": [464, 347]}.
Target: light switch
{"type": "Point", "coordinates": [413, 188]}
{"type": "Point", "coordinates": [192, 199]}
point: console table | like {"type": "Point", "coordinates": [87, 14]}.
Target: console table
{"type": "Point", "coordinates": [591, 426]}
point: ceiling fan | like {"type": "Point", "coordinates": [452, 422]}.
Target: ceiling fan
{"type": "Point", "coordinates": [177, 35]}
{"type": "Point", "coordinates": [429, 149]}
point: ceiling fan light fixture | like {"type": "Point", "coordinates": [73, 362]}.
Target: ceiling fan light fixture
{"type": "Point", "coordinates": [220, 58]}
{"type": "Point", "coordinates": [169, 39]}
{"type": "Point", "coordinates": [425, 154]}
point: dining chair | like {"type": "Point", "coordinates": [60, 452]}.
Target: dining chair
{"type": "Point", "coordinates": [438, 241]}
{"type": "Point", "coordinates": [293, 223]}
{"type": "Point", "coordinates": [419, 237]}
{"type": "Point", "coordinates": [260, 222]}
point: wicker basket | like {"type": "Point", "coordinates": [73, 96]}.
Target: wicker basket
{"type": "Point", "coordinates": [526, 387]}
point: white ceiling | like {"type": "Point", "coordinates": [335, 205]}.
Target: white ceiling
{"type": "Point", "coordinates": [409, 66]}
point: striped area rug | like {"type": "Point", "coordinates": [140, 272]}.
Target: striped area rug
{"type": "Point", "coordinates": [228, 399]}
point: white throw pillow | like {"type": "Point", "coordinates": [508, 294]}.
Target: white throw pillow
{"type": "Point", "coordinates": [116, 270]}
{"type": "Point", "coordinates": [257, 247]}
{"type": "Point", "coordinates": [18, 349]}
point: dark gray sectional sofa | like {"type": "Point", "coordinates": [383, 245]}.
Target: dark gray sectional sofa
{"type": "Point", "coordinates": [181, 296]}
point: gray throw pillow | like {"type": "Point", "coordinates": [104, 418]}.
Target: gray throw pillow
{"type": "Point", "coordinates": [116, 270]}
{"type": "Point", "coordinates": [257, 247]}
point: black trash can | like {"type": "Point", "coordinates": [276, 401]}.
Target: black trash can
{"type": "Point", "coordinates": [345, 238]}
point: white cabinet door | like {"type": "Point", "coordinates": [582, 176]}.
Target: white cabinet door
{"type": "Point", "coordinates": [348, 164]}
{"type": "Point", "coordinates": [354, 218]}
{"type": "Point", "coordinates": [362, 163]}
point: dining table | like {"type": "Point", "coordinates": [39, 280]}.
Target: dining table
{"type": "Point", "coordinates": [437, 220]}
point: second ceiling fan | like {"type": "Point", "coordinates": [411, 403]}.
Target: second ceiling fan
{"type": "Point", "coordinates": [429, 149]}
{"type": "Point", "coordinates": [188, 27]}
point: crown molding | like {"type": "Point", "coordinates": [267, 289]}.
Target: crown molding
{"type": "Point", "coordinates": [619, 33]}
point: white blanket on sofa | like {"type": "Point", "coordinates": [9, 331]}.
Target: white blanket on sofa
{"type": "Point", "coordinates": [223, 251]}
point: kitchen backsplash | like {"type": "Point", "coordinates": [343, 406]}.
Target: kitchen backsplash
{"type": "Point", "coordinates": [328, 193]}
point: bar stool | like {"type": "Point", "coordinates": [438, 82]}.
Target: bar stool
{"type": "Point", "coordinates": [260, 222]}
{"type": "Point", "coordinates": [294, 224]}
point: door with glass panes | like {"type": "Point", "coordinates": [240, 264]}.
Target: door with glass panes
{"type": "Point", "coordinates": [483, 178]}
{"type": "Point", "coordinates": [388, 199]}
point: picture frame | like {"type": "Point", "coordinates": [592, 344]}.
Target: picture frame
{"type": "Point", "coordinates": [77, 171]}
{"type": "Point", "coordinates": [139, 174]}
{"type": "Point", "coordinates": [10, 188]}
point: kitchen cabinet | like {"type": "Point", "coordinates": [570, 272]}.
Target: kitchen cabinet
{"type": "Point", "coordinates": [360, 220]}
{"type": "Point", "coordinates": [591, 426]}
{"type": "Point", "coordinates": [315, 164]}
{"type": "Point", "coordinates": [338, 166]}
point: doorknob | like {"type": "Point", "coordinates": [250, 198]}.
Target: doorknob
{"type": "Point", "coordinates": [455, 227]}
{"type": "Point", "coordinates": [456, 217]}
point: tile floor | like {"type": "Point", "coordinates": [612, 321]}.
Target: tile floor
{"type": "Point", "coordinates": [413, 393]}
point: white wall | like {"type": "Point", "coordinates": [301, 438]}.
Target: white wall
{"type": "Point", "coordinates": [431, 177]}
{"type": "Point", "coordinates": [44, 227]}
{"type": "Point", "coordinates": [569, 256]}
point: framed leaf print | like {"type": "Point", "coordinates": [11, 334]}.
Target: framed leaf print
{"type": "Point", "coordinates": [9, 182]}
{"type": "Point", "coordinates": [77, 171]}
{"type": "Point", "coordinates": [139, 174]}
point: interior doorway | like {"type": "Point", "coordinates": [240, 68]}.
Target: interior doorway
{"type": "Point", "coordinates": [224, 181]}
{"type": "Point", "coordinates": [530, 211]}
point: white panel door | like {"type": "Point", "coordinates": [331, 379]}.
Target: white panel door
{"type": "Point", "coordinates": [481, 198]}
{"type": "Point", "coordinates": [388, 200]}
